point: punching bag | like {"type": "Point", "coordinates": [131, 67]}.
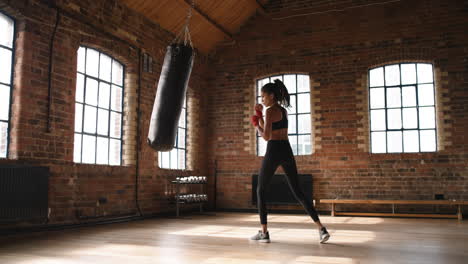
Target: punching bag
{"type": "Point", "coordinates": [170, 95]}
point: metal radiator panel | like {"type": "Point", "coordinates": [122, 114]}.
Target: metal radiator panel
{"type": "Point", "coordinates": [23, 192]}
{"type": "Point", "coordinates": [278, 191]}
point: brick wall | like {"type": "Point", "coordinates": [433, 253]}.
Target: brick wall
{"type": "Point", "coordinates": [336, 43]}
{"type": "Point", "coordinates": [75, 189]}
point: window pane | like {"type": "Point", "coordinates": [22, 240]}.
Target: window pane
{"type": "Point", "coordinates": [409, 96]}
{"type": "Point", "coordinates": [410, 118]}
{"type": "Point", "coordinates": [116, 98]}
{"type": "Point", "coordinates": [4, 102]}
{"type": "Point", "coordinates": [378, 120]}
{"type": "Point", "coordinates": [426, 117]}
{"type": "Point", "coordinates": [261, 146]}
{"type": "Point", "coordinates": [181, 159]}
{"type": "Point", "coordinates": [78, 117]}
{"type": "Point", "coordinates": [424, 73]}
{"type": "Point", "coordinates": [102, 150]}
{"type": "Point", "coordinates": [303, 83]}
{"type": "Point", "coordinates": [77, 148]}
{"type": "Point", "coordinates": [377, 98]}
{"type": "Point", "coordinates": [290, 82]}
{"type": "Point", "coordinates": [376, 77]}
{"type": "Point", "coordinates": [91, 91]}
{"type": "Point", "coordinates": [92, 62]}
{"type": "Point", "coordinates": [292, 124]}
{"type": "Point", "coordinates": [89, 149]}
{"type": "Point", "coordinates": [79, 88]}
{"type": "Point", "coordinates": [392, 75]}
{"type": "Point", "coordinates": [394, 118]}
{"type": "Point", "coordinates": [165, 159]}
{"type": "Point", "coordinates": [103, 122]}
{"type": "Point", "coordinates": [410, 141]}
{"type": "Point", "coordinates": [6, 32]}
{"type": "Point", "coordinates": [5, 65]}
{"type": "Point", "coordinates": [174, 159]}
{"type": "Point", "coordinates": [104, 93]}
{"type": "Point", "coordinates": [181, 138]}
{"type": "Point", "coordinates": [292, 109]}
{"type": "Point", "coordinates": [97, 92]}
{"type": "Point", "coordinates": [3, 139]}
{"type": "Point", "coordinates": [303, 123]}
{"type": "Point", "coordinates": [90, 119]}
{"type": "Point", "coordinates": [117, 73]}
{"type": "Point", "coordinates": [408, 73]}
{"type": "Point", "coordinates": [293, 142]}
{"type": "Point", "coordinates": [393, 97]}
{"type": "Point", "coordinates": [81, 59]}
{"type": "Point", "coordinates": [114, 152]}
{"type": "Point", "coordinates": [260, 85]}
{"type": "Point", "coordinates": [394, 141]}
{"type": "Point", "coordinates": [105, 65]}
{"type": "Point", "coordinates": [304, 145]}
{"type": "Point", "coordinates": [426, 94]}
{"type": "Point", "coordinates": [115, 127]}
{"type": "Point", "coordinates": [182, 118]}
{"type": "Point", "coordinates": [303, 103]}
{"type": "Point", "coordinates": [428, 140]}
{"type": "Point", "coordinates": [378, 142]}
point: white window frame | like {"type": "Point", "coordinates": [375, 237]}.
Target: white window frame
{"type": "Point", "coordinates": [293, 112]}
{"type": "Point", "coordinates": [7, 47]}
{"type": "Point", "coordinates": [426, 128]}
{"type": "Point", "coordinates": [109, 84]}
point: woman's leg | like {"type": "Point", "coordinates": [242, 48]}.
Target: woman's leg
{"type": "Point", "coordinates": [269, 167]}
{"type": "Point", "coordinates": [289, 167]}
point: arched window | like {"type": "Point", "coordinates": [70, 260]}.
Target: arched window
{"type": "Point", "coordinates": [299, 114]}
{"type": "Point", "coordinates": [7, 31]}
{"type": "Point", "coordinates": [402, 108]}
{"type": "Point", "coordinates": [176, 158]}
{"type": "Point", "coordinates": [98, 108]}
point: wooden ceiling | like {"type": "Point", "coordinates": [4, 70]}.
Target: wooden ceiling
{"type": "Point", "coordinates": [213, 21]}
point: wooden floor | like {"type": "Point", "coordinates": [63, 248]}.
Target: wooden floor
{"type": "Point", "coordinates": [218, 238]}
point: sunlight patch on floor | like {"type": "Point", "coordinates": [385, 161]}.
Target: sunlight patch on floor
{"type": "Point", "coordinates": [322, 260]}
{"type": "Point", "coordinates": [220, 260]}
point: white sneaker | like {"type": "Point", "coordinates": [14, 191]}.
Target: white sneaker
{"type": "Point", "coordinates": [261, 237]}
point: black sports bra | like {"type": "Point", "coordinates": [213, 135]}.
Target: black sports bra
{"type": "Point", "coordinates": [283, 123]}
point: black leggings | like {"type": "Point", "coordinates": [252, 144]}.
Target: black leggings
{"type": "Point", "coordinates": [278, 153]}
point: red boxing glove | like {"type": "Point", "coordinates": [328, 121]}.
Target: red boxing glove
{"type": "Point", "coordinates": [258, 113]}
{"type": "Point", "coordinates": [258, 110]}
{"type": "Point", "coordinates": [254, 120]}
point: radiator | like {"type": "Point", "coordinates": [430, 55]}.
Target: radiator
{"type": "Point", "coordinates": [278, 191]}
{"type": "Point", "coordinates": [23, 192]}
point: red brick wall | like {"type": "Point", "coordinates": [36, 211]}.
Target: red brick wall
{"type": "Point", "coordinates": [336, 42]}
{"type": "Point", "coordinates": [74, 189]}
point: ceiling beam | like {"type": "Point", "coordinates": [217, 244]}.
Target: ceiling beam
{"type": "Point", "coordinates": [260, 7]}
{"type": "Point", "coordinates": [208, 19]}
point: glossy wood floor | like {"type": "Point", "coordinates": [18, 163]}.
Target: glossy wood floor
{"type": "Point", "coordinates": [218, 238]}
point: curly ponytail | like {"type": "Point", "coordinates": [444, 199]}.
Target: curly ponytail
{"type": "Point", "coordinates": [279, 90]}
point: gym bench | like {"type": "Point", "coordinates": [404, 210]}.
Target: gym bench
{"type": "Point", "coordinates": [458, 215]}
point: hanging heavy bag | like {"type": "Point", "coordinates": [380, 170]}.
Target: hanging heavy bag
{"type": "Point", "coordinates": [171, 90]}
{"type": "Point", "coordinates": [170, 96]}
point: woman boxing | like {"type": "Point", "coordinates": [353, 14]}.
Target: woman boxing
{"type": "Point", "coordinates": [274, 129]}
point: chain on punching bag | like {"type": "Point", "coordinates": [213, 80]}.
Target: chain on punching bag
{"type": "Point", "coordinates": [172, 87]}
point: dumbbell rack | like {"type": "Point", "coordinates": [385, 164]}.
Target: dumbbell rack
{"type": "Point", "coordinates": [189, 180]}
